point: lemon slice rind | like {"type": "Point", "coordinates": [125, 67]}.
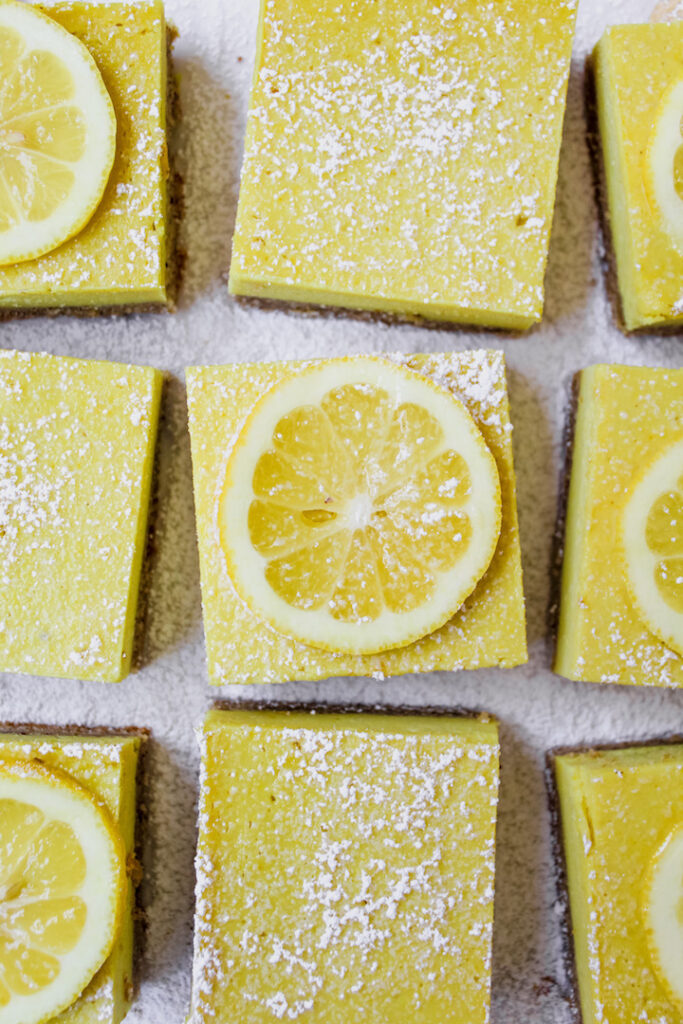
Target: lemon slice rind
{"type": "Point", "coordinates": [661, 903]}
{"type": "Point", "coordinates": [27, 240]}
{"type": "Point", "coordinates": [61, 799]}
{"type": "Point", "coordinates": [246, 567]}
{"type": "Point", "coordinates": [666, 139]}
{"type": "Point", "coordinates": [660, 477]}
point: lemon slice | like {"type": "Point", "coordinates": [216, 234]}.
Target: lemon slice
{"type": "Point", "coordinates": [662, 907]}
{"type": "Point", "coordinates": [57, 134]}
{"type": "Point", "coordinates": [62, 887]}
{"type": "Point", "coordinates": [361, 506]}
{"type": "Point", "coordinates": [664, 163]}
{"type": "Point", "coordinates": [653, 546]}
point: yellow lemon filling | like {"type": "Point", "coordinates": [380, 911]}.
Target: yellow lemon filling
{"type": "Point", "coordinates": [57, 134]}
{"type": "Point", "coordinates": [361, 506]}
{"type": "Point", "coordinates": [62, 886]}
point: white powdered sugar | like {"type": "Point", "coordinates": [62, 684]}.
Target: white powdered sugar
{"type": "Point", "coordinates": [389, 840]}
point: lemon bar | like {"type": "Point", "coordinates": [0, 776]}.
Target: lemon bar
{"type": "Point", "coordinates": [345, 868]}
{"type": "Point", "coordinates": [639, 91]}
{"type": "Point", "coordinates": [77, 442]}
{"type": "Point", "coordinates": [242, 644]}
{"type": "Point", "coordinates": [621, 821]}
{"type": "Point", "coordinates": [402, 157]}
{"type": "Point", "coordinates": [123, 258]}
{"type": "Point", "coordinates": [619, 615]}
{"type": "Point", "coordinates": [106, 764]}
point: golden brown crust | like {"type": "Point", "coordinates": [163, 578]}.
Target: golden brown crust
{"type": "Point", "coordinates": [562, 888]}
{"type": "Point", "coordinates": [558, 540]}
{"type": "Point", "coordinates": [175, 260]}
{"type": "Point", "coordinates": [369, 316]}
{"type": "Point", "coordinates": [81, 312]}
{"type": "Point", "coordinates": [149, 556]}
{"type": "Point", "coordinates": [34, 729]}
{"type": "Point", "coordinates": [395, 710]}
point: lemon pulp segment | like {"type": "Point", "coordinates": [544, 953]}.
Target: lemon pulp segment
{"type": "Point", "coordinates": [662, 906]}
{"type": "Point", "coordinates": [57, 134]}
{"type": "Point", "coordinates": [653, 546]}
{"type": "Point", "coordinates": [361, 506]}
{"type": "Point", "coordinates": [62, 885]}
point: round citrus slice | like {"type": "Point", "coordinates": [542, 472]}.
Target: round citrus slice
{"type": "Point", "coordinates": [57, 134]}
{"type": "Point", "coordinates": [361, 506]}
{"type": "Point", "coordinates": [664, 163]}
{"type": "Point", "coordinates": [62, 888]}
{"type": "Point", "coordinates": [653, 546]}
{"type": "Point", "coordinates": [662, 907]}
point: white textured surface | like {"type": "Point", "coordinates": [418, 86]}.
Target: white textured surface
{"type": "Point", "coordinates": [170, 694]}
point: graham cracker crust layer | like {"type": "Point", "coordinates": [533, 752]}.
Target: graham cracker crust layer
{"type": "Point", "coordinates": [369, 316]}
{"type": "Point", "coordinates": [318, 708]}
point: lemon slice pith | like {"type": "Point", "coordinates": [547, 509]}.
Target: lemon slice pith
{"type": "Point", "coordinates": [57, 134]}
{"type": "Point", "coordinates": [662, 908]}
{"type": "Point", "coordinates": [62, 888]}
{"type": "Point", "coordinates": [361, 506]}
{"type": "Point", "coordinates": [664, 163]}
{"type": "Point", "coordinates": [653, 546]}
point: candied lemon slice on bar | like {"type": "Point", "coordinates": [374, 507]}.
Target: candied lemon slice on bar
{"type": "Point", "coordinates": [57, 134]}
{"type": "Point", "coordinates": [662, 906]}
{"type": "Point", "coordinates": [653, 546]}
{"type": "Point", "coordinates": [62, 890]}
{"type": "Point", "coordinates": [664, 163]}
{"type": "Point", "coordinates": [361, 506]}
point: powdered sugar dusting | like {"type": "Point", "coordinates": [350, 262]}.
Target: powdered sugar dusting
{"type": "Point", "coordinates": [75, 444]}
{"type": "Point", "coordinates": [214, 58]}
{"type": "Point", "coordinates": [381, 842]}
{"type": "Point", "coordinates": [413, 116]}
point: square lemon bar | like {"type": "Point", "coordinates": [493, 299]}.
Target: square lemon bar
{"type": "Point", "coordinates": [242, 645]}
{"type": "Point", "coordinates": [123, 258]}
{"type": "Point", "coordinates": [620, 604]}
{"type": "Point", "coordinates": [77, 442]}
{"type": "Point", "coordinates": [623, 850]}
{"type": "Point", "coordinates": [106, 764]}
{"type": "Point", "coordinates": [345, 868]}
{"type": "Point", "coordinates": [639, 91]}
{"type": "Point", "coordinates": [402, 157]}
